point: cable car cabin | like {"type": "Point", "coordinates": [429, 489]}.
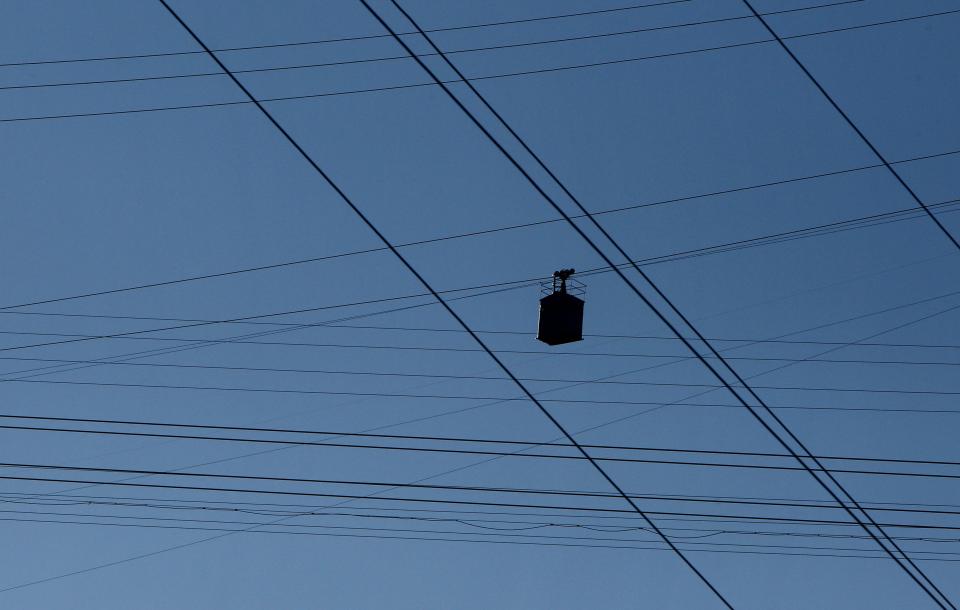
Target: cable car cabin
{"type": "Point", "coordinates": [561, 313]}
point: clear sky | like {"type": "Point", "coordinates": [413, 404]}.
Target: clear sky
{"type": "Point", "coordinates": [105, 201]}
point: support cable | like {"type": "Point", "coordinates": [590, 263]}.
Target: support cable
{"type": "Point", "coordinates": [486, 48]}
{"type": "Point", "coordinates": [413, 271]}
{"type": "Point", "coordinates": [852, 125]}
{"type": "Point", "coordinates": [646, 278]}
{"type": "Point", "coordinates": [514, 454]}
{"type": "Point", "coordinates": [476, 78]}
{"type": "Point", "coordinates": [358, 37]}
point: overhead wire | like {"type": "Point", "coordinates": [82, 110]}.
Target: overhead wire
{"type": "Point", "coordinates": [403, 57]}
{"type": "Point", "coordinates": [266, 369]}
{"type": "Point", "coordinates": [408, 421]}
{"type": "Point", "coordinates": [683, 400]}
{"type": "Point", "coordinates": [813, 231]}
{"type": "Point", "coordinates": [472, 522]}
{"type": "Point", "coordinates": [204, 323]}
{"type": "Point", "coordinates": [195, 542]}
{"type": "Point", "coordinates": [846, 117]}
{"type": "Point", "coordinates": [44, 371]}
{"type": "Point", "coordinates": [355, 37]}
{"type": "Point", "coordinates": [7, 310]}
{"type": "Point", "coordinates": [453, 314]}
{"type": "Point", "coordinates": [421, 516]}
{"type": "Point", "coordinates": [571, 493]}
{"type": "Point", "coordinates": [203, 540]}
{"type": "Point", "coordinates": [665, 516]}
{"type": "Point", "coordinates": [424, 329]}
{"type": "Point", "coordinates": [699, 405]}
{"type": "Point", "coordinates": [305, 391]}
{"type": "Point", "coordinates": [263, 508]}
{"type": "Point", "coordinates": [419, 85]}
{"type": "Point", "coordinates": [524, 454]}
{"type": "Point", "coordinates": [910, 191]}
{"type": "Point", "coordinates": [445, 439]}
{"type": "Point", "coordinates": [922, 581]}
{"type": "Point", "coordinates": [751, 342]}
{"type": "Point", "coordinates": [326, 443]}
{"type": "Point", "coordinates": [806, 551]}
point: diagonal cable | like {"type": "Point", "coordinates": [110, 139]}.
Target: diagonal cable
{"type": "Point", "coordinates": [853, 126]}
{"type": "Point", "coordinates": [660, 315]}
{"type": "Point", "coordinates": [413, 271]}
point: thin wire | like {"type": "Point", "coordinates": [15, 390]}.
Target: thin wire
{"type": "Point", "coordinates": [403, 57]}
{"type": "Point", "coordinates": [450, 439]}
{"type": "Point", "coordinates": [853, 126]}
{"type": "Point", "coordinates": [263, 369]}
{"type": "Point", "coordinates": [500, 532]}
{"type": "Point", "coordinates": [892, 171]}
{"type": "Point", "coordinates": [667, 516]}
{"type": "Point", "coordinates": [568, 511]}
{"type": "Point", "coordinates": [681, 255]}
{"type": "Point", "coordinates": [572, 493]}
{"type": "Point", "coordinates": [255, 529]}
{"type": "Point", "coordinates": [314, 510]}
{"type": "Point", "coordinates": [402, 259]}
{"type": "Point", "coordinates": [418, 85]}
{"type": "Point", "coordinates": [260, 317]}
{"type": "Point", "coordinates": [496, 453]}
{"type": "Point", "coordinates": [215, 388]}
{"type": "Point", "coordinates": [357, 37]}
{"type": "Point", "coordinates": [639, 294]}
{"type": "Point", "coordinates": [303, 493]}
{"type": "Point", "coordinates": [696, 405]}
{"type": "Point", "coordinates": [294, 326]}
{"type": "Point", "coordinates": [196, 542]}
{"type": "Point", "coordinates": [524, 525]}
{"type": "Point", "coordinates": [421, 329]}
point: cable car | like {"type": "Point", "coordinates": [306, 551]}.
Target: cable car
{"type": "Point", "coordinates": [561, 311]}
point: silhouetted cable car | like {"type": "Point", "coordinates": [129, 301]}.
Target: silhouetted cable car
{"type": "Point", "coordinates": [561, 311]}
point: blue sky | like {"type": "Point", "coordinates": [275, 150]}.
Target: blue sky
{"type": "Point", "coordinates": [95, 203]}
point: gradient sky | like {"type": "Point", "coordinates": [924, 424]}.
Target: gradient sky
{"type": "Point", "coordinates": [95, 203]}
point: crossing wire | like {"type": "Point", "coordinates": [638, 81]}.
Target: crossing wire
{"type": "Point", "coordinates": [138, 520]}
{"type": "Point", "coordinates": [308, 392]}
{"type": "Point", "coordinates": [204, 323]}
{"type": "Point", "coordinates": [485, 332]}
{"type": "Point", "coordinates": [275, 509]}
{"type": "Point", "coordinates": [446, 439]}
{"type": "Point", "coordinates": [134, 111]}
{"type": "Point", "coordinates": [262, 510]}
{"type": "Point", "coordinates": [812, 231]}
{"type": "Point", "coordinates": [364, 37]}
{"type": "Point", "coordinates": [579, 541]}
{"type": "Point", "coordinates": [906, 187]}
{"type": "Point", "coordinates": [661, 316]}
{"type": "Point", "coordinates": [781, 237]}
{"type": "Point", "coordinates": [570, 493]}
{"type": "Point", "coordinates": [267, 369]}
{"type": "Point", "coordinates": [846, 117]}
{"type": "Point", "coordinates": [272, 509]}
{"type": "Point", "coordinates": [413, 271]}
{"type": "Point", "coordinates": [401, 57]}
{"type": "Point", "coordinates": [286, 327]}
{"type": "Point", "coordinates": [137, 335]}
{"type": "Point", "coordinates": [340, 445]}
